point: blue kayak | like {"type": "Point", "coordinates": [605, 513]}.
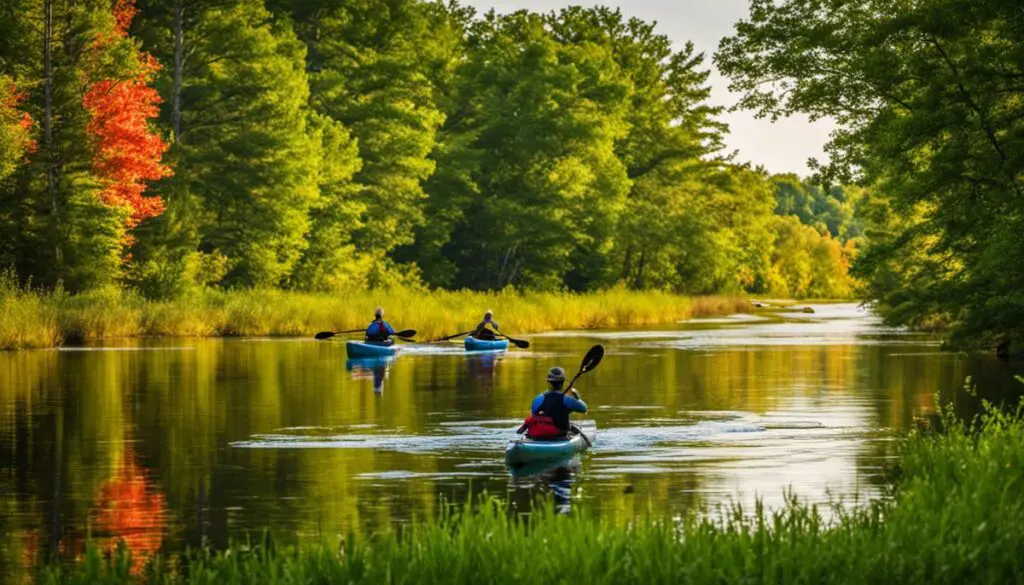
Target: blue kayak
{"type": "Point", "coordinates": [523, 451]}
{"type": "Point", "coordinates": [369, 349]}
{"type": "Point", "coordinates": [474, 344]}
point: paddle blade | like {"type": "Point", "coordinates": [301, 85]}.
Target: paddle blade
{"type": "Point", "coordinates": [592, 358]}
{"type": "Point", "coordinates": [520, 343]}
{"type": "Point", "coordinates": [406, 333]}
{"type": "Point", "coordinates": [324, 335]}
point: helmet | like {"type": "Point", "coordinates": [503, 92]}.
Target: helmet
{"type": "Point", "coordinates": [556, 374]}
{"type": "Point", "coordinates": [488, 316]}
{"type": "Point", "coordinates": [379, 312]}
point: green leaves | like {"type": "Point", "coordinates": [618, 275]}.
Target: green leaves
{"type": "Point", "coordinates": [926, 97]}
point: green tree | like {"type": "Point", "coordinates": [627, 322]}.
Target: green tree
{"type": "Point", "coordinates": [542, 122]}
{"type": "Point", "coordinates": [926, 97]}
{"type": "Point", "coordinates": [56, 51]}
{"type": "Point", "coordinates": [249, 156]}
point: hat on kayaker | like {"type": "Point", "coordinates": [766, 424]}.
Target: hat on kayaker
{"type": "Point", "coordinates": [379, 312]}
{"type": "Point", "coordinates": [556, 374]}
{"type": "Point", "coordinates": [488, 315]}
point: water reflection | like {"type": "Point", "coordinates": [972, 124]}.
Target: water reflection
{"type": "Point", "coordinates": [375, 369]}
{"type": "Point", "coordinates": [555, 477]}
{"type": "Point", "coordinates": [219, 438]}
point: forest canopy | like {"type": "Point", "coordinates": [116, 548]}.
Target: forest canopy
{"type": "Point", "coordinates": [169, 145]}
{"type": "Point", "coordinates": [927, 99]}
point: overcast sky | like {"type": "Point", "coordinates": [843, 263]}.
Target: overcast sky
{"type": "Point", "coordinates": [781, 147]}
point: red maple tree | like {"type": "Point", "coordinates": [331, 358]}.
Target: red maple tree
{"type": "Point", "coordinates": [19, 123]}
{"type": "Point", "coordinates": [127, 152]}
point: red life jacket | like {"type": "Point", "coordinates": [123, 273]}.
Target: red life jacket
{"type": "Point", "coordinates": [551, 420]}
{"type": "Point", "coordinates": [541, 427]}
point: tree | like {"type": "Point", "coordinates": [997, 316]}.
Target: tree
{"type": "Point", "coordinates": [541, 127]}
{"type": "Point", "coordinates": [15, 128]}
{"type": "Point", "coordinates": [926, 97]}
{"type": "Point", "coordinates": [127, 153]}
{"type": "Point", "coordinates": [244, 135]}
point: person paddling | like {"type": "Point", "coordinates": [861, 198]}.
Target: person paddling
{"type": "Point", "coordinates": [379, 331]}
{"type": "Point", "coordinates": [482, 332]}
{"type": "Point", "coordinates": [550, 411]}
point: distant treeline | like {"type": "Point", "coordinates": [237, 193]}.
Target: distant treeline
{"type": "Point", "coordinates": [319, 145]}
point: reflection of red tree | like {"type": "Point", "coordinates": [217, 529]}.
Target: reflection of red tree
{"type": "Point", "coordinates": [130, 510]}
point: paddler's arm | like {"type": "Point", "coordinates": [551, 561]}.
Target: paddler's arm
{"type": "Point", "coordinates": [574, 403]}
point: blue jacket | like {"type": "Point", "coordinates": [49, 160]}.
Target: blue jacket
{"type": "Point", "coordinates": [569, 402]}
{"type": "Point", "coordinates": [379, 331]}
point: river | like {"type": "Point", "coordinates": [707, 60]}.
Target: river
{"type": "Point", "coordinates": [167, 443]}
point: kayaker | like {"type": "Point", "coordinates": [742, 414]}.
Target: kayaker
{"type": "Point", "coordinates": [482, 332]}
{"type": "Point", "coordinates": [379, 331]}
{"type": "Point", "coordinates": [550, 411]}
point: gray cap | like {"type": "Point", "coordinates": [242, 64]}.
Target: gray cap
{"type": "Point", "coordinates": [556, 374]}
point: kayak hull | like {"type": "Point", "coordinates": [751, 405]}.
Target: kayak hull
{"type": "Point", "coordinates": [523, 451]}
{"type": "Point", "coordinates": [474, 344]}
{"type": "Point", "coordinates": [363, 349]}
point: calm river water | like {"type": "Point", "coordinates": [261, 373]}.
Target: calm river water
{"type": "Point", "coordinates": [171, 442]}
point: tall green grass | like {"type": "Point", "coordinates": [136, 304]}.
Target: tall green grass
{"type": "Point", "coordinates": [27, 319]}
{"type": "Point", "coordinates": [955, 515]}
{"type": "Point", "coordinates": [44, 320]}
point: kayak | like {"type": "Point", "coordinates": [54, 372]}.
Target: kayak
{"type": "Point", "coordinates": [522, 451]}
{"type": "Point", "coordinates": [474, 344]}
{"type": "Point", "coordinates": [367, 349]}
{"type": "Point", "coordinates": [570, 464]}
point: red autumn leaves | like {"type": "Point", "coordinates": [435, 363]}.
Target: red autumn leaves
{"type": "Point", "coordinates": [127, 153]}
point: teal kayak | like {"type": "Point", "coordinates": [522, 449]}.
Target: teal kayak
{"type": "Point", "coordinates": [523, 451]}
{"type": "Point", "coordinates": [368, 349]}
{"type": "Point", "coordinates": [474, 344]}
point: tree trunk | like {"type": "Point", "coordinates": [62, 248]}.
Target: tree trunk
{"type": "Point", "coordinates": [51, 172]}
{"type": "Point", "coordinates": [179, 65]}
{"type": "Point", "coordinates": [627, 263]}
{"type": "Point", "coordinates": [639, 282]}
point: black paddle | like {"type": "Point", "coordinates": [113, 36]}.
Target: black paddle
{"type": "Point", "coordinates": [329, 334]}
{"type": "Point", "coordinates": [589, 362]}
{"type": "Point", "coordinates": [399, 334]}
{"type": "Point", "coordinates": [452, 336]}
{"type": "Point", "coordinates": [520, 343]}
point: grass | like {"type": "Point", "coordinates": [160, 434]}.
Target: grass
{"type": "Point", "coordinates": [955, 515]}
{"type": "Point", "coordinates": [40, 320]}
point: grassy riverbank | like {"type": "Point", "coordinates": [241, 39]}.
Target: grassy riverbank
{"type": "Point", "coordinates": [31, 319]}
{"type": "Point", "coordinates": [955, 516]}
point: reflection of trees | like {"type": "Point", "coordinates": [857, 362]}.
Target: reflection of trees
{"type": "Point", "coordinates": [64, 418]}
{"type": "Point", "coordinates": [130, 511]}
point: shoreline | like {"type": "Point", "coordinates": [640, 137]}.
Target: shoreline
{"type": "Point", "coordinates": [42, 320]}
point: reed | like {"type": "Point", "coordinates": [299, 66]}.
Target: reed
{"type": "Point", "coordinates": [39, 320]}
{"type": "Point", "coordinates": [955, 515]}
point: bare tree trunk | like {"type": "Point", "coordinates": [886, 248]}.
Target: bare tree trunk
{"type": "Point", "coordinates": [639, 282]}
{"type": "Point", "coordinates": [51, 172]}
{"type": "Point", "coordinates": [627, 263]}
{"type": "Point", "coordinates": [179, 65]}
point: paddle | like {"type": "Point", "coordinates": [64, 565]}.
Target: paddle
{"type": "Point", "coordinates": [590, 362]}
{"type": "Point", "coordinates": [329, 334]}
{"type": "Point", "coordinates": [452, 336]}
{"type": "Point", "coordinates": [521, 344]}
{"type": "Point", "coordinates": [580, 432]}
{"type": "Point", "coordinates": [399, 334]}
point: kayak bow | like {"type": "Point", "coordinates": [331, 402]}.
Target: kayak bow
{"type": "Point", "coordinates": [474, 344]}
{"type": "Point", "coordinates": [369, 349]}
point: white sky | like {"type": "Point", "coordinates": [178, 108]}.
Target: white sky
{"type": "Point", "coordinates": [784, 146]}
